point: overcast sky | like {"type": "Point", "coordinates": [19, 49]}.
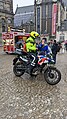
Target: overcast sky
{"type": "Point", "coordinates": [21, 3]}
{"type": "Point", "coordinates": [25, 3]}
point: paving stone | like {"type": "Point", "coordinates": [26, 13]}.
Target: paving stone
{"type": "Point", "coordinates": [24, 98]}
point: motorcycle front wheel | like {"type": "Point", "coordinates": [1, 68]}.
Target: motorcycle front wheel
{"type": "Point", "coordinates": [18, 69]}
{"type": "Point", "coordinates": [52, 75]}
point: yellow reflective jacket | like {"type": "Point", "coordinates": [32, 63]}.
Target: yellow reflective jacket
{"type": "Point", "coordinates": [30, 45]}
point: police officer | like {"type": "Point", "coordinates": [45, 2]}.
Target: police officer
{"type": "Point", "coordinates": [32, 49]}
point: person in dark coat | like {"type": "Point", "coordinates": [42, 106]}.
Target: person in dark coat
{"type": "Point", "coordinates": [66, 46]}
{"type": "Point", "coordinates": [54, 50]}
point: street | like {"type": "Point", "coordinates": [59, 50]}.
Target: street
{"type": "Point", "coordinates": [25, 98]}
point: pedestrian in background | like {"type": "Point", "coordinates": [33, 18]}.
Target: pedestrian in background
{"type": "Point", "coordinates": [51, 44]}
{"type": "Point", "coordinates": [66, 47]}
{"type": "Point", "coordinates": [54, 50]}
{"type": "Point", "coordinates": [63, 47]}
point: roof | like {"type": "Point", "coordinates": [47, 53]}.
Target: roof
{"type": "Point", "coordinates": [25, 9]}
{"type": "Point", "coordinates": [23, 15]}
{"type": "Point", "coordinates": [65, 2]}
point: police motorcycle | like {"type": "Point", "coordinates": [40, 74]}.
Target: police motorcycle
{"type": "Point", "coordinates": [45, 66]}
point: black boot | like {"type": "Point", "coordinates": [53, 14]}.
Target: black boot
{"type": "Point", "coordinates": [33, 72]}
{"type": "Point", "coordinates": [30, 70]}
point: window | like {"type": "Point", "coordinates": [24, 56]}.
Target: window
{"type": "Point", "coordinates": [9, 21]}
{"type": "Point", "coordinates": [1, 5]}
{"type": "Point", "coordinates": [62, 37]}
{"type": "Point", "coordinates": [3, 21]}
{"type": "Point", "coordinates": [3, 28]}
{"type": "Point", "coordinates": [38, 19]}
{"type": "Point", "coordinates": [7, 7]}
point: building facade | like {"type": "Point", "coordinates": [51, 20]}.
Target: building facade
{"type": "Point", "coordinates": [61, 33]}
{"type": "Point", "coordinates": [24, 18]}
{"type": "Point", "coordinates": [48, 16]}
{"type": "Point", "coordinates": [6, 14]}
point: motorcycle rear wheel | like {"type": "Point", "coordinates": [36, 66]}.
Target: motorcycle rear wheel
{"type": "Point", "coordinates": [52, 75]}
{"type": "Point", "coordinates": [18, 69]}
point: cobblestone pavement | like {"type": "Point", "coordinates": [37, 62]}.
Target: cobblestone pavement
{"type": "Point", "coordinates": [25, 98]}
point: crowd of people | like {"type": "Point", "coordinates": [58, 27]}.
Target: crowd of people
{"type": "Point", "coordinates": [43, 46]}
